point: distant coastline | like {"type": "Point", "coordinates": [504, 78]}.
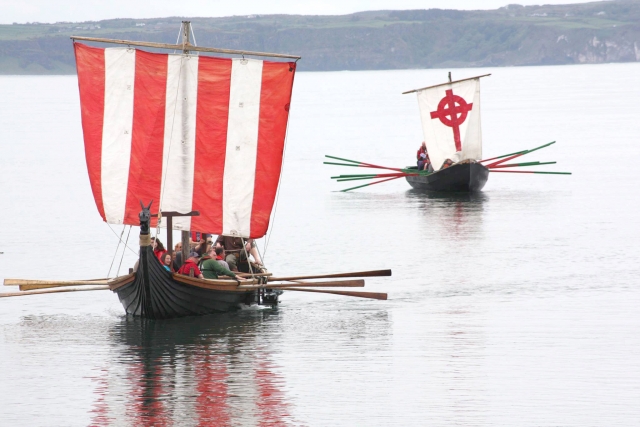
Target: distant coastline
{"type": "Point", "coordinates": [514, 35]}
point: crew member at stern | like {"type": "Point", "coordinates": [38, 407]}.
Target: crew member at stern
{"type": "Point", "coordinates": [424, 163]}
{"type": "Point", "coordinates": [236, 251]}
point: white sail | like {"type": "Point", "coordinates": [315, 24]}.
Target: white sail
{"type": "Point", "coordinates": [450, 115]}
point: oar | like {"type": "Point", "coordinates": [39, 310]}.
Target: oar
{"type": "Point", "coordinates": [53, 283]}
{"type": "Point", "coordinates": [372, 183]}
{"type": "Point", "coordinates": [358, 164]}
{"type": "Point", "coordinates": [504, 155]}
{"type": "Point", "coordinates": [332, 284]}
{"type": "Point", "coordinates": [53, 291]}
{"type": "Point", "coordinates": [399, 175]}
{"type": "Point", "coordinates": [544, 173]}
{"type": "Point", "coordinates": [517, 165]}
{"type": "Point", "coordinates": [372, 295]}
{"type": "Point", "coordinates": [372, 273]}
{"type": "Point", "coordinates": [520, 154]}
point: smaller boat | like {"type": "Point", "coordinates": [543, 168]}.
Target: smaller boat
{"type": "Point", "coordinates": [466, 176]}
{"type": "Point", "coordinates": [450, 115]}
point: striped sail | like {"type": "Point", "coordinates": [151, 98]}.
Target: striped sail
{"type": "Point", "coordinates": [188, 132]}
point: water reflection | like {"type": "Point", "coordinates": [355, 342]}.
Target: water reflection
{"type": "Point", "coordinates": [458, 215]}
{"type": "Point", "coordinates": [212, 370]}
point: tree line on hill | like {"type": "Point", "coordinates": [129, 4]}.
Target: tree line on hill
{"type": "Point", "coordinates": [510, 36]}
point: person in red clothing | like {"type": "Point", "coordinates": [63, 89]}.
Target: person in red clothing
{"type": "Point", "coordinates": [190, 268]}
{"type": "Point", "coordinates": [423, 157]}
{"type": "Point", "coordinates": [158, 249]}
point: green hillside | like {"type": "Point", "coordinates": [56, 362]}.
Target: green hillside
{"type": "Point", "coordinates": [510, 36]}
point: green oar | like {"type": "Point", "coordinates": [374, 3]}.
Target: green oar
{"type": "Point", "coordinates": [373, 183]}
{"type": "Point", "coordinates": [546, 173]}
{"type": "Point", "coordinates": [509, 165]}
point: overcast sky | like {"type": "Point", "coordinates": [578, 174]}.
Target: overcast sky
{"type": "Point", "coordinates": [22, 11]}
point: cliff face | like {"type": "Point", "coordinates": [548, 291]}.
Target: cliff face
{"type": "Point", "coordinates": [510, 36]}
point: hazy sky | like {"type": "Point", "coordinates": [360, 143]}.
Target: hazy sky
{"type": "Point", "coordinates": [22, 11]}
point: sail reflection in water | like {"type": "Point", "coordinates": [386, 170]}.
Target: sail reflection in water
{"type": "Point", "coordinates": [457, 215]}
{"type": "Point", "coordinates": [194, 371]}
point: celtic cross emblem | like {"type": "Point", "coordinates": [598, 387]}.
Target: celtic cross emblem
{"type": "Point", "coordinates": [452, 111]}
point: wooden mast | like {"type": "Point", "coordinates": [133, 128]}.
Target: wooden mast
{"type": "Point", "coordinates": [186, 31]}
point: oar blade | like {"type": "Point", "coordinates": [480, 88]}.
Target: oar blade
{"type": "Point", "coordinates": [370, 295]}
{"type": "Point", "coordinates": [54, 291]}
{"type": "Point", "coordinates": [371, 273]}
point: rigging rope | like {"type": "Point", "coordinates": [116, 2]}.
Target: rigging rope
{"type": "Point", "coordinates": [244, 248]}
{"type": "Point", "coordinates": [132, 251]}
{"type": "Point", "coordinates": [275, 208]}
{"type": "Point", "coordinates": [194, 38]}
{"type": "Point", "coordinates": [121, 258]}
{"type": "Point", "coordinates": [117, 247]}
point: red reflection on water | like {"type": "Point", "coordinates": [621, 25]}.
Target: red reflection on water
{"type": "Point", "coordinates": [272, 408]}
{"type": "Point", "coordinates": [146, 408]}
{"type": "Point", "coordinates": [101, 407]}
{"type": "Point", "coordinates": [213, 391]}
{"type": "Point", "coordinates": [159, 394]}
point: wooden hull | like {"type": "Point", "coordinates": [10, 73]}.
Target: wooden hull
{"type": "Point", "coordinates": [461, 177]}
{"type": "Point", "coordinates": [156, 293]}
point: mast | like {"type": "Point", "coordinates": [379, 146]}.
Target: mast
{"type": "Point", "coordinates": [448, 83]}
{"type": "Point", "coordinates": [186, 31]}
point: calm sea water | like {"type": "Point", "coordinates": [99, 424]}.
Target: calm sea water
{"type": "Point", "coordinates": [515, 307]}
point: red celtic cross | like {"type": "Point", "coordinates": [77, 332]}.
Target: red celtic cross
{"type": "Point", "coordinates": [448, 107]}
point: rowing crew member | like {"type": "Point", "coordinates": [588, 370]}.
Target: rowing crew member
{"type": "Point", "coordinates": [211, 268]}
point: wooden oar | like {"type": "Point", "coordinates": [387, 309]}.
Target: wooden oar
{"type": "Point", "coordinates": [372, 183]}
{"type": "Point", "coordinates": [57, 284]}
{"type": "Point", "coordinates": [52, 283]}
{"type": "Point", "coordinates": [544, 173]}
{"type": "Point", "coordinates": [372, 273]}
{"type": "Point", "coordinates": [520, 154]}
{"type": "Point", "coordinates": [359, 164]}
{"type": "Point", "coordinates": [332, 284]}
{"type": "Point", "coordinates": [383, 175]}
{"type": "Point", "coordinates": [372, 295]}
{"type": "Point", "coordinates": [53, 291]}
{"type": "Point", "coordinates": [518, 165]}
{"type": "Point", "coordinates": [504, 155]}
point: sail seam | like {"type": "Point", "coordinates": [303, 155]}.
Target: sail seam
{"type": "Point", "coordinates": [166, 160]}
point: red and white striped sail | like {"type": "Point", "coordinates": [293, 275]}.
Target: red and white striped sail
{"type": "Point", "coordinates": [188, 132]}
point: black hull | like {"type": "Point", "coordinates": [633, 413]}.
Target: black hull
{"type": "Point", "coordinates": [461, 177]}
{"type": "Point", "coordinates": [155, 294]}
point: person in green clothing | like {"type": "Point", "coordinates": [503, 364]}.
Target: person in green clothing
{"type": "Point", "coordinates": [211, 268]}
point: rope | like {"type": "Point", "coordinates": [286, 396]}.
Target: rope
{"type": "Point", "coordinates": [178, 39]}
{"type": "Point", "coordinates": [121, 258]}
{"type": "Point", "coordinates": [194, 38]}
{"type": "Point", "coordinates": [261, 258]}
{"type": "Point", "coordinates": [117, 247]}
{"type": "Point", "coordinates": [275, 208]}
{"type": "Point", "coordinates": [132, 251]}
{"type": "Point", "coordinates": [244, 248]}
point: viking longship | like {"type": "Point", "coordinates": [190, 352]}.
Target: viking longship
{"type": "Point", "coordinates": [197, 142]}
